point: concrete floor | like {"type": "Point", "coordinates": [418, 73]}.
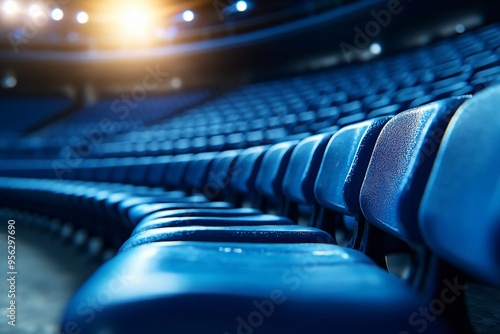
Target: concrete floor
{"type": "Point", "coordinates": [49, 272]}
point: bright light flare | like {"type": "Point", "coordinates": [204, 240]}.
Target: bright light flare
{"type": "Point", "coordinates": [35, 11]}
{"type": "Point", "coordinates": [460, 28]}
{"type": "Point", "coordinates": [188, 15]}
{"type": "Point", "coordinates": [135, 21]}
{"type": "Point", "coordinates": [241, 6]}
{"type": "Point", "coordinates": [375, 49]}
{"type": "Point", "coordinates": [9, 81]}
{"type": "Point", "coordinates": [82, 17]}
{"type": "Point", "coordinates": [176, 83]}
{"type": "Point", "coordinates": [57, 14]}
{"type": "Point", "coordinates": [10, 7]}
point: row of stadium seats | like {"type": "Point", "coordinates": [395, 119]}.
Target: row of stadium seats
{"type": "Point", "coordinates": [270, 112]}
{"type": "Point", "coordinates": [14, 109]}
{"type": "Point", "coordinates": [94, 123]}
{"type": "Point", "coordinates": [274, 111]}
{"type": "Point", "coordinates": [247, 239]}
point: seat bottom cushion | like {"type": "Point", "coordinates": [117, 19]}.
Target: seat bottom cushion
{"type": "Point", "coordinates": [212, 287]}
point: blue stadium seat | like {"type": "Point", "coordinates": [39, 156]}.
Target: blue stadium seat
{"type": "Point", "coordinates": [243, 287]}
{"type": "Point", "coordinates": [400, 165]}
{"type": "Point", "coordinates": [197, 171]}
{"type": "Point", "coordinates": [344, 166]}
{"type": "Point", "coordinates": [219, 175]}
{"type": "Point", "coordinates": [215, 220]}
{"type": "Point", "coordinates": [213, 197]}
{"type": "Point", "coordinates": [123, 207]}
{"type": "Point", "coordinates": [300, 176]}
{"type": "Point", "coordinates": [240, 177]}
{"type": "Point", "coordinates": [120, 171]}
{"type": "Point", "coordinates": [174, 175]}
{"type": "Point", "coordinates": [224, 211]}
{"type": "Point", "coordinates": [157, 170]}
{"type": "Point", "coordinates": [245, 172]}
{"type": "Point", "coordinates": [242, 182]}
{"type": "Point", "coordinates": [460, 213]}
{"type": "Point", "coordinates": [139, 170]}
{"type": "Point", "coordinates": [269, 180]}
{"type": "Point", "coordinates": [18, 114]}
{"type": "Point", "coordinates": [279, 233]}
{"type": "Point", "coordinates": [340, 177]}
{"type": "Point", "coordinates": [143, 211]}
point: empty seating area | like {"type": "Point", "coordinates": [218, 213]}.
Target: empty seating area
{"type": "Point", "coordinates": [354, 200]}
{"type": "Point", "coordinates": [269, 112]}
{"type": "Point", "coordinates": [92, 124]}
{"type": "Point", "coordinates": [14, 122]}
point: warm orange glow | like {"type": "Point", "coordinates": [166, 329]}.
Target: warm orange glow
{"type": "Point", "coordinates": [136, 21]}
{"type": "Point", "coordinates": [127, 23]}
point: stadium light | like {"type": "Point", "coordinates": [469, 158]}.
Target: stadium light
{"type": "Point", "coordinates": [241, 6]}
{"type": "Point", "coordinates": [375, 49]}
{"type": "Point", "coordinates": [9, 81]}
{"type": "Point", "coordinates": [460, 28]}
{"type": "Point", "coordinates": [82, 17]}
{"type": "Point", "coordinates": [135, 21]}
{"type": "Point", "coordinates": [176, 83]}
{"type": "Point", "coordinates": [188, 16]}
{"type": "Point", "coordinates": [57, 14]}
{"type": "Point", "coordinates": [10, 7]}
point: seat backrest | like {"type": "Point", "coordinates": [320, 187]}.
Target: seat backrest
{"type": "Point", "coordinates": [272, 169]}
{"type": "Point", "coordinates": [344, 166]}
{"type": "Point", "coordinates": [120, 170]}
{"type": "Point", "coordinates": [264, 234]}
{"type": "Point", "coordinates": [87, 169]}
{"type": "Point", "coordinates": [300, 176]}
{"type": "Point", "coordinates": [460, 212]}
{"type": "Point", "coordinates": [139, 170]}
{"type": "Point", "coordinates": [197, 170]}
{"type": "Point", "coordinates": [400, 166]}
{"type": "Point", "coordinates": [174, 174]}
{"type": "Point", "coordinates": [220, 174]}
{"type": "Point", "coordinates": [42, 169]}
{"type": "Point", "coordinates": [246, 169]}
{"type": "Point", "coordinates": [157, 170]}
{"type": "Point", "coordinates": [103, 173]}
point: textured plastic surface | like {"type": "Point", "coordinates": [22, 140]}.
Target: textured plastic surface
{"type": "Point", "coordinates": [248, 220]}
{"type": "Point", "coordinates": [246, 169]}
{"type": "Point", "coordinates": [139, 212]}
{"type": "Point", "coordinates": [197, 170]}
{"type": "Point", "coordinates": [138, 171]}
{"type": "Point", "coordinates": [174, 174]}
{"type": "Point", "coordinates": [460, 211]}
{"type": "Point", "coordinates": [247, 234]}
{"type": "Point", "coordinates": [400, 166]}
{"type": "Point", "coordinates": [202, 212]}
{"type": "Point", "coordinates": [125, 205]}
{"type": "Point", "coordinates": [344, 165]}
{"type": "Point", "coordinates": [273, 167]}
{"type": "Point", "coordinates": [220, 173]}
{"type": "Point", "coordinates": [298, 184]}
{"type": "Point", "coordinates": [214, 288]}
{"type": "Point", "coordinates": [157, 170]}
